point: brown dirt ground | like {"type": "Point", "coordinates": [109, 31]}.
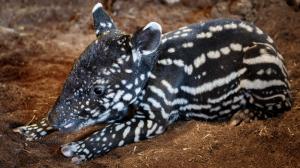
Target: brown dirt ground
{"type": "Point", "coordinates": [40, 40]}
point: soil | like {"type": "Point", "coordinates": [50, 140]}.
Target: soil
{"type": "Point", "coordinates": [39, 40]}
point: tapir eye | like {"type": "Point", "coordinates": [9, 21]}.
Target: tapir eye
{"type": "Point", "coordinates": [98, 90]}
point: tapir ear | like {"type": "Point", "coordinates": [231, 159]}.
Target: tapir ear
{"type": "Point", "coordinates": [147, 40]}
{"type": "Point", "coordinates": [102, 22]}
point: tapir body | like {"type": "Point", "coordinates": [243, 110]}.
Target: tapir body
{"type": "Point", "coordinates": [213, 71]}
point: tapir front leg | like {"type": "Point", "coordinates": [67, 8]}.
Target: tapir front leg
{"type": "Point", "coordinates": [141, 126]}
{"type": "Point", "coordinates": [35, 131]}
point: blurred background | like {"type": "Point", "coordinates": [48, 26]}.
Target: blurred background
{"type": "Point", "coordinates": [39, 41]}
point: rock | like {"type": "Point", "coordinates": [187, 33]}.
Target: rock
{"type": "Point", "coordinates": [239, 9]}
{"type": "Point", "coordinates": [245, 9]}
{"type": "Point", "coordinates": [200, 3]}
{"type": "Point", "coordinates": [221, 9]}
{"type": "Point", "coordinates": [170, 2]}
{"type": "Point", "coordinates": [294, 3]}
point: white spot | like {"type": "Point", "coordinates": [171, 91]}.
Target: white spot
{"type": "Point", "coordinates": [215, 28]}
{"type": "Point", "coordinates": [119, 127]}
{"type": "Point", "coordinates": [184, 35]}
{"type": "Point", "coordinates": [136, 81]}
{"type": "Point", "coordinates": [263, 51]}
{"type": "Point", "coordinates": [260, 72]}
{"type": "Point", "coordinates": [119, 106]}
{"type": "Point", "coordinates": [123, 82]}
{"type": "Point", "coordinates": [246, 27]}
{"type": "Point", "coordinates": [236, 47]}
{"type": "Point", "coordinates": [199, 61]}
{"type": "Point", "coordinates": [230, 26]}
{"type": "Point", "coordinates": [188, 45]}
{"type": "Point", "coordinates": [127, 97]}
{"type": "Point", "coordinates": [269, 71]}
{"type": "Point", "coordinates": [129, 86]}
{"type": "Point", "coordinates": [110, 95]}
{"type": "Point", "coordinates": [86, 151]}
{"type": "Point", "coordinates": [102, 24]}
{"type": "Point", "coordinates": [213, 54]}
{"type": "Point", "coordinates": [225, 50]}
{"type": "Point", "coordinates": [121, 143]}
{"type": "Point", "coordinates": [204, 35]}
{"type": "Point", "coordinates": [142, 77]}
{"type": "Point", "coordinates": [186, 30]}
{"type": "Point", "coordinates": [152, 76]}
{"type": "Point", "coordinates": [43, 133]}
{"type": "Point", "coordinates": [171, 50]}
{"type": "Point", "coordinates": [167, 61]}
{"type": "Point", "coordinates": [188, 69]}
{"type": "Point", "coordinates": [137, 91]}
{"type": "Point", "coordinates": [126, 131]}
{"type": "Point", "coordinates": [178, 63]}
{"type": "Point", "coordinates": [128, 70]}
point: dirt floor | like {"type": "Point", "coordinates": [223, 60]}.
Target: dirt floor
{"type": "Point", "coordinates": [40, 40]}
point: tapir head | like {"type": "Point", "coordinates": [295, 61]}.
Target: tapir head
{"type": "Point", "coordinates": [108, 76]}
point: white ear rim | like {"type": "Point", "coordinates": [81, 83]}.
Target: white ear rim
{"type": "Point", "coordinates": [153, 26]}
{"type": "Point", "coordinates": [97, 6]}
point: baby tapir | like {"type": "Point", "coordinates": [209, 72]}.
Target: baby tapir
{"type": "Point", "coordinates": [213, 71]}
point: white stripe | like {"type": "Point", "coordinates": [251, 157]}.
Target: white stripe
{"type": "Point", "coordinates": [149, 132]}
{"type": "Point", "coordinates": [126, 131]}
{"type": "Point", "coordinates": [223, 97]}
{"type": "Point", "coordinates": [156, 104]}
{"type": "Point", "coordinates": [260, 84]}
{"type": "Point", "coordinates": [137, 131]}
{"type": "Point", "coordinates": [169, 87]}
{"type": "Point", "coordinates": [270, 97]}
{"type": "Point", "coordinates": [97, 6]}
{"type": "Point", "coordinates": [209, 86]}
{"type": "Point", "coordinates": [161, 94]}
{"type": "Point", "coordinates": [201, 115]}
{"type": "Point", "coordinates": [147, 108]}
{"type": "Point", "coordinates": [194, 107]}
{"type": "Point", "coordinates": [266, 58]}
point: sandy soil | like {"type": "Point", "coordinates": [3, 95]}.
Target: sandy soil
{"type": "Point", "coordinates": [40, 40]}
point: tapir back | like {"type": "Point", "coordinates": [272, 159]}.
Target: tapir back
{"type": "Point", "coordinates": [212, 70]}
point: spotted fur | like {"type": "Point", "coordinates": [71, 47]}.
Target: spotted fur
{"type": "Point", "coordinates": [208, 71]}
